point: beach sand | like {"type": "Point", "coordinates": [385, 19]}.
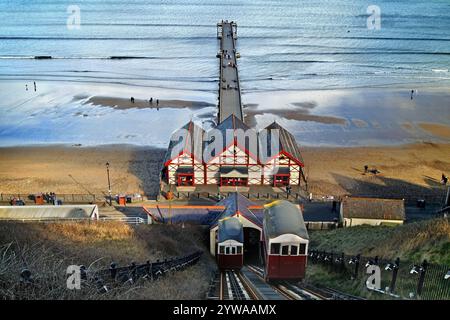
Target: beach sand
{"type": "Point", "coordinates": [125, 103]}
{"type": "Point", "coordinates": [436, 129]}
{"type": "Point", "coordinates": [333, 171]}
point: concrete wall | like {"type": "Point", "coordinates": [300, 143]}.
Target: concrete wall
{"type": "Point", "coordinates": [351, 222]}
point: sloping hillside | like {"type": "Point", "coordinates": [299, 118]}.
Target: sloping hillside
{"type": "Point", "coordinates": [47, 249]}
{"type": "Point", "coordinates": [413, 241]}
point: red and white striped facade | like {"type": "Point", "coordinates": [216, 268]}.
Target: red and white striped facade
{"type": "Point", "coordinates": [235, 164]}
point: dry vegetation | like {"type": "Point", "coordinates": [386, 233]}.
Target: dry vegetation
{"type": "Point", "coordinates": [47, 249]}
{"type": "Point", "coordinates": [413, 241]}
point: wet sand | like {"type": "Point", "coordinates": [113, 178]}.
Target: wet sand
{"type": "Point", "coordinates": [125, 103]}
{"type": "Point", "coordinates": [334, 171]}
{"type": "Point", "coordinates": [436, 129]}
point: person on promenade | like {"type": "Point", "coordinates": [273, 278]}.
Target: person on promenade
{"type": "Point", "coordinates": [132, 100]}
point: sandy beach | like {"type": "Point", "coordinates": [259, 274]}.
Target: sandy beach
{"type": "Point", "coordinates": [331, 171]}
{"type": "Point", "coordinates": [102, 114]}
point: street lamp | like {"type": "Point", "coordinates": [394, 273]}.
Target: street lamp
{"type": "Point", "coordinates": [109, 184]}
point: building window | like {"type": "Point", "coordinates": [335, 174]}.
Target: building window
{"type": "Point", "coordinates": [239, 250]}
{"type": "Point", "coordinates": [284, 250]}
{"type": "Point", "coordinates": [185, 179]}
{"type": "Point", "coordinates": [226, 181]}
{"type": "Point", "coordinates": [221, 250]}
{"type": "Point", "coordinates": [302, 248]}
{"type": "Point", "coordinates": [281, 180]}
{"type": "Point", "coordinates": [275, 248]}
{"type": "Point", "coordinates": [294, 250]}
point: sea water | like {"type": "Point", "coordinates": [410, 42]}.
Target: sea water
{"type": "Point", "coordinates": [168, 48]}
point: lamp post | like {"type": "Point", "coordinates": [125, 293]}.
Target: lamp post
{"type": "Point", "coordinates": [109, 184]}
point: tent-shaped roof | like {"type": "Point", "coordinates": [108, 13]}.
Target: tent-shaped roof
{"type": "Point", "coordinates": [373, 208]}
{"type": "Point", "coordinates": [286, 141]}
{"type": "Point", "coordinates": [237, 204]}
{"type": "Point", "coordinates": [283, 217]}
{"type": "Point", "coordinates": [230, 129]}
{"type": "Point", "coordinates": [192, 137]}
{"type": "Point", "coordinates": [230, 229]}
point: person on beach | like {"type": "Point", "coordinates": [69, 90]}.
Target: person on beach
{"type": "Point", "coordinates": [412, 94]}
{"type": "Point", "coordinates": [366, 168]}
{"type": "Point", "coordinates": [132, 100]}
{"type": "Point", "coordinates": [157, 103]}
{"type": "Point", "coordinates": [151, 100]}
{"type": "Point", "coordinates": [34, 83]}
{"type": "Point", "coordinates": [26, 87]}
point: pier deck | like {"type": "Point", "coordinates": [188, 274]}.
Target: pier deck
{"type": "Point", "coordinates": [229, 88]}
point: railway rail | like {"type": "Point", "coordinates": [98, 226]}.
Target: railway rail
{"type": "Point", "coordinates": [249, 284]}
{"type": "Point", "coordinates": [298, 291]}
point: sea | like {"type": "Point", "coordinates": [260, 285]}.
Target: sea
{"type": "Point", "coordinates": [296, 51]}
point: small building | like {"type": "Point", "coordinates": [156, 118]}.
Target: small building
{"type": "Point", "coordinates": [371, 211]}
{"type": "Point", "coordinates": [248, 213]}
{"type": "Point", "coordinates": [48, 213]}
{"type": "Point", "coordinates": [230, 242]}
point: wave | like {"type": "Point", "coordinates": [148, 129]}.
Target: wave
{"type": "Point", "coordinates": [105, 38]}
{"type": "Point", "coordinates": [440, 70]}
{"type": "Point", "coordinates": [19, 57]}
{"type": "Point", "coordinates": [277, 37]}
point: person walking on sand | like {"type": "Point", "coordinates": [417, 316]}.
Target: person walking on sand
{"type": "Point", "coordinates": [132, 100]}
{"type": "Point", "coordinates": [26, 87]}
{"type": "Point", "coordinates": [151, 100]}
{"type": "Point", "coordinates": [412, 94]}
{"type": "Point", "coordinates": [34, 83]}
{"type": "Point", "coordinates": [157, 102]}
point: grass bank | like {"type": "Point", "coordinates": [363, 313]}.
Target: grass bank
{"type": "Point", "coordinates": [412, 243]}
{"type": "Point", "coordinates": [47, 249]}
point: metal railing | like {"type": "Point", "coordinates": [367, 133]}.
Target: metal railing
{"type": "Point", "coordinates": [399, 279]}
{"type": "Point", "coordinates": [65, 197]}
{"type": "Point", "coordinates": [129, 220]}
{"type": "Point", "coordinates": [133, 272]}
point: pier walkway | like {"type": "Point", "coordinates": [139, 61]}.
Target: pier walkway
{"type": "Point", "coordinates": [229, 89]}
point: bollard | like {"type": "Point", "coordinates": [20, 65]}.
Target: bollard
{"type": "Point", "coordinates": [83, 272]}
{"type": "Point", "coordinates": [113, 270]}
{"type": "Point", "coordinates": [394, 274]}
{"type": "Point", "coordinates": [423, 271]}
{"type": "Point", "coordinates": [25, 276]}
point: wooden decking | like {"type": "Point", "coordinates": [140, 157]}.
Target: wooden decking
{"type": "Point", "coordinates": [229, 88]}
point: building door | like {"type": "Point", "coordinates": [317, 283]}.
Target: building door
{"type": "Point", "coordinates": [185, 179]}
{"type": "Point", "coordinates": [231, 181]}
{"type": "Point", "coordinates": [281, 180]}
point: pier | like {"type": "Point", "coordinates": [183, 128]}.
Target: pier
{"type": "Point", "coordinates": [229, 88]}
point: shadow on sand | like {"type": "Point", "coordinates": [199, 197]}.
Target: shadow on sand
{"type": "Point", "coordinates": [146, 165]}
